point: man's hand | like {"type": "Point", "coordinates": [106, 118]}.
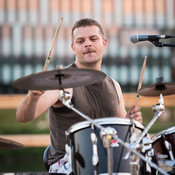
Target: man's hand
{"type": "Point", "coordinates": [35, 93]}
{"type": "Point", "coordinates": [134, 113]}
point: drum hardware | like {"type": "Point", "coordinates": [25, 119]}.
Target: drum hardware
{"type": "Point", "coordinates": [134, 166]}
{"type": "Point", "coordinates": [107, 134]}
{"type": "Point", "coordinates": [164, 144]}
{"type": "Point", "coordinates": [6, 144]}
{"type": "Point", "coordinates": [133, 158]}
{"type": "Point", "coordinates": [67, 102]}
{"type": "Point", "coordinates": [169, 148]}
{"type": "Point", "coordinates": [158, 111]}
{"type": "Point", "coordinates": [148, 150]}
{"type": "Point", "coordinates": [79, 140]}
{"type": "Point", "coordinates": [95, 158]}
{"type": "Point", "coordinates": [147, 146]}
{"type": "Point", "coordinates": [140, 155]}
{"type": "Point", "coordinates": [134, 163]}
{"type": "Point", "coordinates": [132, 141]}
{"type": "Point", "coordinates": [65, 97]}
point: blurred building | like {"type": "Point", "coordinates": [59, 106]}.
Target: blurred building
{"type": "Point", "coordinates": [27, 28]}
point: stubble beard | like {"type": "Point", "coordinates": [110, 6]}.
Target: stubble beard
{"type": "Point", "coordinates": [91, 64]}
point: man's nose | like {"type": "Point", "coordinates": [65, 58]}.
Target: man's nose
{"type": "Point", "coordinates": [87, 43]}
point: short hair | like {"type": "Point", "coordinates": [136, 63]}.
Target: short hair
{"type": "Point", "coordinates": [86, 22]}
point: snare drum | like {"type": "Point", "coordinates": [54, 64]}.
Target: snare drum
{"type": "Point", "coordinates": [159, 146]}
{"type": "Point", "coordinates": [82, 152]}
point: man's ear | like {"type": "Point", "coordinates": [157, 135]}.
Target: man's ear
{"type": "Point", "coordinates": [104, 43]}
{"type": "Point", "coordinates": [73, 48]}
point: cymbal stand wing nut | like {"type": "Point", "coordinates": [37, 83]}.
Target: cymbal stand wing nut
{"type": "Point", "coordinates": [65, 98]}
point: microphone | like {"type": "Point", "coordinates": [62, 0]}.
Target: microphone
{"type": "Point", "coordinates": [137, 38]}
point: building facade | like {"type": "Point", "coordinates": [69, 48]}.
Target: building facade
{"type": "Point", "coordinates": [27, 29]}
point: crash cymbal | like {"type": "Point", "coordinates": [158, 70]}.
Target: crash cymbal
{"type": "Point", "coordinates": [6, 144]}
{"type": "Point", "coordinates": [157, 89]}
{"type": "Point", "coordinates": [68, 78]}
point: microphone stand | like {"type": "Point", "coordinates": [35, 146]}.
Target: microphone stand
{"type": "Point", "coordinates": [107, 134]}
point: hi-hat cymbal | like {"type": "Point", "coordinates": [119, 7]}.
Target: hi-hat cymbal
{"type": "Point", "coordinates": [157, 89]}
{"type": "Point", "coordinates": [58, 79]}
{"type": "Point", "coordinates": [6, 144]}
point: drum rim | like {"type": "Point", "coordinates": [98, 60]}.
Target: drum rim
{"type": "Point", "coordinates": [105, 120]}
{"type": "Point", "coordinates": [163, 132]}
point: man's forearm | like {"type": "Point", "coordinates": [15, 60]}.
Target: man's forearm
{"type": "Point", "coordinates": [26, 110]}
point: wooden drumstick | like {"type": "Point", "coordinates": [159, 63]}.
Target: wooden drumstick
{"type": "Point", "coordinates": [141, 79]}
{"type": "Point", "coordinates": [53, 45]}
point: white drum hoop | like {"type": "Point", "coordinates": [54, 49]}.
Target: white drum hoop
{"type": "Point", "coordinates": [164, 132]}
{"type": "Point", "coordinates": [105, 121]}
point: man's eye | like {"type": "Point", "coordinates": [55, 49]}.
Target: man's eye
{"type": "Point", "coordinates": [80, 41]}
{"type": "Point", "coordinates": [93, 39]}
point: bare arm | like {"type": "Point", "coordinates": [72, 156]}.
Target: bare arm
{"type": "Point", "coordinates": [134, 111]}
{"type": "Point", "coordinates": [121, 106]}
{"type": "Point", "coordinates": [35, 103]}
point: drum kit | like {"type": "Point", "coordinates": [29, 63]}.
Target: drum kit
{"type": "Point", "coordinates": [6, 144]}
{"type": "Point", "coordinates": [114, 146]}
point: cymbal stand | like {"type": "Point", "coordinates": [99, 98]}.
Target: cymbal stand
{"type": "Point", "coordinates": [158, 111]}
{"type": "Point", "coordinates": [105, 133]}
{"type": "Point", "coordinates": [65, 99]}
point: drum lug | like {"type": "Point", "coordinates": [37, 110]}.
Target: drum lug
{"type": "Point", "coordinates": [147, 146]}
{"type": "Point", "coordinates": [106, 136]}
{"type": "Point", "coordinates": [151, 153]}
{"type": "Point", "coordinates": [95, 158]}
{"type": "Point", "coordinates": [169, 148]}
{"type": "Point", "coordinates": [147, 143]}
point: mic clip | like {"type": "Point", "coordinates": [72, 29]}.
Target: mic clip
{"type": "Point", "coordinates": [157, 43]}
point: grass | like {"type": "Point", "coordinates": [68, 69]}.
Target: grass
{"type": "Point", "coordinates": [24, 160]}
{"type": "Point", "coordinates": [165, 121]}
{"type": "Point", "coordinates": [9, 124]}
{"type": "Point", "coordinates": [30, 159]}
{"type": "Point", "coordinates": [27, 159]}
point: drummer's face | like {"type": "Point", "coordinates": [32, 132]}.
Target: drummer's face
{"type": "Point", "coordinates": [88, 45]}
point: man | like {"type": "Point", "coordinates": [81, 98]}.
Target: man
{"type": "Point", "coordinates": [102, 99]}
